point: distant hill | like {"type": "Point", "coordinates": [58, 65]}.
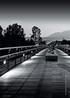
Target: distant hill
{"type": "Point", "coordinates": [59, 36]}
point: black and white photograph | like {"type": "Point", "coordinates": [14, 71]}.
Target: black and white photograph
{"type": "Point", "coordinates": [34, 49]}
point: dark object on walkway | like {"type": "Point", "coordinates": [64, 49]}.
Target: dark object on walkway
{"type": "Point", "coordinates": [51, 57]}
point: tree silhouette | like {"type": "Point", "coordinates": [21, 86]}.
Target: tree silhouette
{"type": "Point", "coordinates": [36, 35]}
{"type": "Point", "coordinates": [14, 35]}
{"type": "Point", "coordinates": [64, 42]}
{"type": "Point", "coordinates": [1, 37]}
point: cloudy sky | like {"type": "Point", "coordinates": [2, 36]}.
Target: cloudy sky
{"type": "Point", "coordinates": [49, 16]}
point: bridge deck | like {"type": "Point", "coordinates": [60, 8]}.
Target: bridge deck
{"type": "Point", "coordinates": [36, 78]}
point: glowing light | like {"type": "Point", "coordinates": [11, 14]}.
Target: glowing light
{"type": "Point", "coordinates": [4, 62]}
{"type": "Point", "coordinates": [31, 51]}
{"type": "Point", "coordinates": [23, 54]}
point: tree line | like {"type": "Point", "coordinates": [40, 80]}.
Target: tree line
{"type": "Point", "coordinates": [63, 42]}
{"type": "Point", "coordinates": [14, 35]}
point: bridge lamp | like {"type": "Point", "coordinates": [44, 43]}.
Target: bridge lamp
{"type": "Point", "coordinates": [4, 62]}
{"type": "Point", "coordinates": [23, 54]}
{"type": "Point", "coordinates": [31, 51]}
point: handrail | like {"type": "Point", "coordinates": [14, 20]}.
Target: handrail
{"type": "Point", "coordinates": [20, 47]}
{"type": "Point", "coordinates": [17, 53]}
{"type": "Point", "coordinates": [9, 50]}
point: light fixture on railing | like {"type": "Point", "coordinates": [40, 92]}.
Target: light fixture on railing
{"type": "Point", "coordinates": [31, 51]}
{"type": "Point", "coordinates": [4, 62]}
{"type": "Point", "coordinates": [23, 54]}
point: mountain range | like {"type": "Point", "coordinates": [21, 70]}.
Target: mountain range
{"type": "Point", "coordinates": [58, 36]}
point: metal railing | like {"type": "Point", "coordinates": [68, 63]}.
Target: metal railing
{"type": "Point", "coordinates": [13, 56]}
{"type": "Point", "coordinates": [64, 49]}
{"type": "Point", "coordinates": [9, 50]}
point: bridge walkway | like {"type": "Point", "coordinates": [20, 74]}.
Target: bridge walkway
{"type": "Point", "coordinates": [36, 78]}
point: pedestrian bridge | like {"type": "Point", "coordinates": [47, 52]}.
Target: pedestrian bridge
{"type": "Point", "coordinates": [43, 75]}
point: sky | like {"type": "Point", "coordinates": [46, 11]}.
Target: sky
{"type": "Point", "coordinates": [49, 16]}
